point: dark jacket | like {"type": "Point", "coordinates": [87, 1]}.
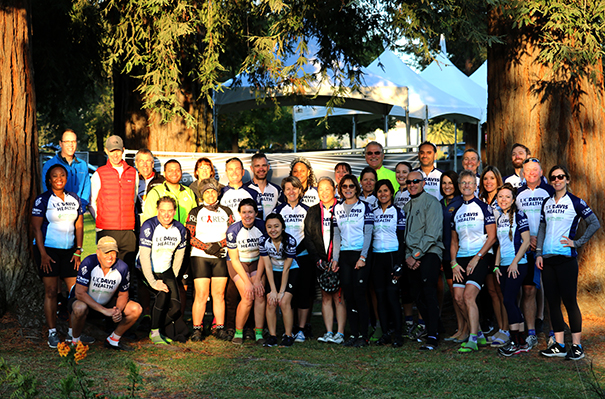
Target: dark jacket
{"type": "Point", "coordinates": [314, 239]}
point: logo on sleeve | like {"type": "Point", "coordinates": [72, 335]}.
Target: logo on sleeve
{"type": "Point", "coordinates": [230, 236]}
{"type": "Point", "coordinates": [38, 201]}
{"type": "Point", "coordinates": [84, 270]}
{"type": "Point", "coordinates": [147, 232]}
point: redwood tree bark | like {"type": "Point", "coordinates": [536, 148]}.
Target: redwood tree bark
{"type": "Point", "coordinates": [559, 117]}
{"type": "Point", "coordinates": [20, 288]}
{"type": "Point", "coordinates": [143, 129]}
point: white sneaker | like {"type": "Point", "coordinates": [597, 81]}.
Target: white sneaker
{"type": "Point", "coordinates": [532, 341]}
{"type": "Point", "coordinates": [299, 336]}
{"type": "Point", "coordinates": [326, 337]}
{"type": "Point", "coordinates": [337, 338]}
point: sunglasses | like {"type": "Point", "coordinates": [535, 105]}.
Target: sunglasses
{"type": "Point", "coordinates": [536, 160]}
{"type": "Point", "coordinates": [558, 177]}
{"type": "Point", "coordinates": [347, 186]}
{"type": "Point", "coordinates": [373, 153]}
{"type": "Point", "coordinates": [415, 181]}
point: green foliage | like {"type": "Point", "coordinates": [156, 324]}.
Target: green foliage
{"type": "Point", "coordinates": [570, 34]}
{"type": "Point", "coordinates": [23, 386]}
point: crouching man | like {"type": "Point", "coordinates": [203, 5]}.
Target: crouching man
{"type": "Point", "coordinates": [102, 286]}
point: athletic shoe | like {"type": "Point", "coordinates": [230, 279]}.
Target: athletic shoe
{"type": "Point", "coordinates": [361, 342]}
{"type": "Point", "coordinates": [53, 340]}
{"type": "Point", "coordinates": [351, 341]}
{"type": "Point", "coordinates": [398, 342]}
{"type": "Point", "coordinates": [467, 347]}
{"type": "Point", "coordinates": [228, 334]}
{"type": "Point", "coordinates": [481, 341]}
{"type": "Point", "coordinates": [308, 331]}
{"type": "Point", "coordinates": [197, 335]}
{"type": "Point", "coordinates": [551, 341]}
{"type": "Point", "coordinates": [418, 332]}
{"type": "Point", "coordinates": [299, 336]}
{"type": "Point", "coordinates": [287, 341]}
{"type": "Point", "coordinates": [237, 341]}
{"type": "Point", "coordinates": [460, 340]}
{"type": "Point", "coordinates": [499, 340]}
{"type": "Point", "coordinates": [575, 353]}
{"type": "Point", "coordinates": [249, 334]}
{"type": "Point", "coordinates": [121, 346]}
{"type": "Point", "coordinates": [271, 341]}
{"type": "Point", "coordinates": [509, 349]}
{"type": "Point", "coordinates": [261, 341]}
{"type": "Point", "coordinates": [158, 340]}
{"type": "Point", "coordinates": [384, 340]}
{"type": "Point", "coordinates": [337, 338]}
{"type": "Point", "coordinates": [430, 344]}
{"type": "Point", "coordinates": [554, 351]}
{"type": "Point", "coordinates": [86, 340]}
{"type": "Point", "coordinates": [524, 347]}
{"type": "Point", "coordinates": [409, 327]}
{"type": "Point", "coordinates": [326, 337]}
{"type": "Point", "coordinates": [532, 341]}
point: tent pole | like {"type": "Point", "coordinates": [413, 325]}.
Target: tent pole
{"type": "Point", "coordinates": [455, 146]}
{"type": "Point", "coordinates": [386, 130]}
{"type": "Point", "coordinates": [407, 122]}
{"type": "Point", "coordinates": [479, 145]}
{"type": "Point", "coordinates": [354, 133]}
{"type": "Point", "coordinates": [293, 130]}
{"type": "Point", "coordinates": [425, 131]}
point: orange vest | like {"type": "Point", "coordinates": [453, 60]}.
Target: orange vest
{"type": "Point", "coordinates": [115, 202]}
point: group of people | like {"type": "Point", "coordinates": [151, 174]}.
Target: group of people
{"type": "Point", "coordinates": [375, 245]}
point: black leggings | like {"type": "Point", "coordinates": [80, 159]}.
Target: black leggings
{"type": "Point", "coordinates": [510, 291]}
{"type": "Point", "coordinates": [387, 293]}
{"type": "Point", "coordinates": [560, 279]}
{"type": "Point", "coordinates": [354, 283]}
{"type": "Point", "coordinates": [305, 283]}
{"type": "Point", "coordinates": [424, 291]}
{"type": "Point", "coordinates": [167, 306]}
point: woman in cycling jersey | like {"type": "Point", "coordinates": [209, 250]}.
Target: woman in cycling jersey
{"type": "Point", "coordinates": [473, 234]}
{"type": "Point", "coordinates": [278, 252]}
{"type": "Point", "coordinates": [352, 236]}
{"type": "Point", "coordinates": [556, 256]}
{"type": "Point", "coordinates": [401, 173]}
{"type": "Point", "coordinates": [294, 213]}
{"type": "Point", "coordinates": [301, 168]}
{"type": "Point", "coordinates": [367, 179]}
{"type": "Point", "coordinates": [387, 263]}
{"type": "Point", "coordinates": [511, 264]}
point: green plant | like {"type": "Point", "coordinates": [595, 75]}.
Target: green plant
{"type": "Point", "coordinates": [11, 378]}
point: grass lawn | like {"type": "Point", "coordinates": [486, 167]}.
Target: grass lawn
{"type": "Point", "coordinates": [216, 369]}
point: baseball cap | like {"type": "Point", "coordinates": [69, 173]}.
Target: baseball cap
{"type": "Point", "coordinates": [107, 244]}
{"type": "Point", "coordinates": [114, 143]}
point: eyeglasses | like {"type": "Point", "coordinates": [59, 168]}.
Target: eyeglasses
{"type": "Point", "coordinates": [373, 153]}
{"type": "Point", "coordinates": [468, 183]}
{"type": "Point", "coordinates": [347, 186]}
{"type": "Point", "coordinates": [415, 181]}
{"type": "Point", "coordinates": [69, 141]}
{"type": "Point", "coordinates": [558, 177]}
{"type": "Point", "coordinates": [536, 160]}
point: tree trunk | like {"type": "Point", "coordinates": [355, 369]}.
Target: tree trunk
{"type": "Point", "coordinates": [20, 288]}
{"type": "Point", "coordinates": [558, 117]}
{"type": "Point", "coordinates": [142, 128]}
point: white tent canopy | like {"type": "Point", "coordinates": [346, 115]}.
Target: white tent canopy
{"type": "Point", "coordinates": [480, 76]}
{"type": "Point", "coordinates": [425, 100]}
{"type": "Point", "coordinates": [377, 94]}
{"type": "Point", "coordinates": [443, 74]}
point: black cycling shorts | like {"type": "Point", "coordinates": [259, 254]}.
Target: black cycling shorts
{"type": "Point", "coordinates": [208, 267]}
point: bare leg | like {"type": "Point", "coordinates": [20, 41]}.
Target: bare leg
{"type": "Point", "coordinates": [272, 318]}
{"type": "Point", "coordinates": [202, 290]}
{"type": "Point", "coordinates": [287, 313]}
{"type": "Point", "coordinates": [218, 298]}
{"type": "Point", "coordinates": [50, 300]}
{"type": "Point", "coordinates": [244, 307]}
{"type": "Point", "coordinates": [341, 311]}
{"type": "Point", "coordinates": [132, 311]}
{"type": "Point", "coordinates": [326, 310]}
{"type": "Point", "coordinates": [493, 288]}
{"type": "Point", "coordinates": [470, 300]}
{"type": "Point", "coordinates": [529, 305]}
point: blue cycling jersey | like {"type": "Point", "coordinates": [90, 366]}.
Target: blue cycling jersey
{"type": "Point", "coordinates": [269, 199]}
{"type": "Point", "coordinates": [59, 218]}
{"type": "Point", "coordinates": [163, 242]}
{"type": "Point", "coordinates": [102, 287]}
{"type": "Point", "coordinates": [295, 222]}
{"type": "Point", "coordinates": [385, 229]}
{"type": "Point", "coordinates": [432, 182]}
{"type": "Point", "coordinates": [469, 221]}
{"type": "Point", "coordinates": [351, 224]}
{"type": "Point", "coordinates": [231, 197]}
{"type": "Point", "coordinates": [530, 202]}
{"type": "Point", "coordinates": [509, 247]}
{"type": "Point", "coordinates": [287, 249]}
{"type": "Point", "coordinates": [561, 219]}
{"type": "Point", "coordinates": [246, 240]}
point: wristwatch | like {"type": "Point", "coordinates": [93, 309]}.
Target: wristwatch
{"type": "Point", "coordinates": [362, 258]}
